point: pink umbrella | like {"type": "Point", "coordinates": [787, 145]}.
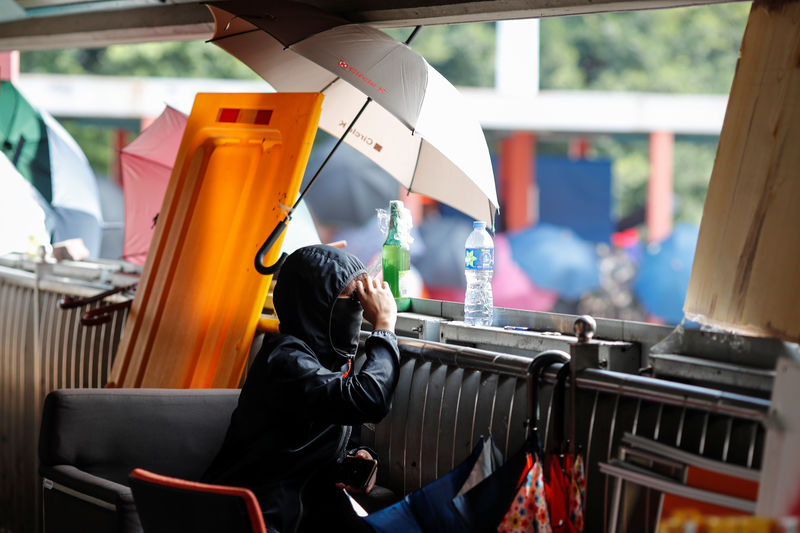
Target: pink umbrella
{"type": "Point", "coordinates": [146, 167]}
{"type": "Point", "coordinates": [511, 286]}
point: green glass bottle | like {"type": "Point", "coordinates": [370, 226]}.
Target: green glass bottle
{"type": "Point", "coordinates": [395, 258]}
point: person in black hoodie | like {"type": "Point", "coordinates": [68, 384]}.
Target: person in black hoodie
{"type": "Point", "coordinates": [302, 395]}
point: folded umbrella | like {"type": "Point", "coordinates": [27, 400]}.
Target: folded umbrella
{"type": "Point", "coordinates": [528, 511]}
{"type": "Point", "coordinates": [566, 480]}
{"type": "Point", "coordinates": [577, 493]}
{"type": "Point", "coordinates": [531, 509]}
{"type": "Point", "coordinates": [411, 121]}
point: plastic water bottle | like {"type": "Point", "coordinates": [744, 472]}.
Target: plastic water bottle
{"type": "Point", "coordinates": [478, 268]}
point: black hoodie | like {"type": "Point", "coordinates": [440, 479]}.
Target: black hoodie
{"type": "Point", "coordinates": [299, 401]}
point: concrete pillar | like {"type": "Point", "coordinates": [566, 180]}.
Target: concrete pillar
{"type": "Point", "coordinates": [659, 188]}
{"type": "Point", "coordinates": [518, 180]}
{"type": "Point", "coordinates": [517, 56]}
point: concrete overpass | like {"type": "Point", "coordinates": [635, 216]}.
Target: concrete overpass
{"type": "Point", "coordinates": [579, 112]}
{"type": "Point", "coordinates": [49, 24]}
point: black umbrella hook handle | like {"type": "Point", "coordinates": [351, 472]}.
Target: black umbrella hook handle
{"type": "Point", "coordinates": [278, 231]}
{"type": "Point", "coordinates": [535, 369]}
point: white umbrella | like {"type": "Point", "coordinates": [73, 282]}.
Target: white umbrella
{"type": "Point", "coordinates": [23, 212]}
{"type": "Point", "coordinates": [411, 120]}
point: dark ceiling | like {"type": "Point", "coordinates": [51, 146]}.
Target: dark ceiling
{"type": "Point", "coordinates": [51, 24]}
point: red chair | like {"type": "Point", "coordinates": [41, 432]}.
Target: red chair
{"type": "Point", "coordinates": [168, 505]}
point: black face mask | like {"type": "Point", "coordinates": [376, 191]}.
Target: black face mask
{"type": "Point", "coordinates": [346, 324]}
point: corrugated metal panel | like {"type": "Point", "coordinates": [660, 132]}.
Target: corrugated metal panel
{"type": "Point", "coordinates": [42, 348]}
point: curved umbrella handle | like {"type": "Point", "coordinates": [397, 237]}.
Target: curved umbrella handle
{"type": "Point", "coordinates": [556, 444]}
{"type": "Point", "coordinates": [265, 248]}
{"type": "Point", "coordinates": [101, 315]}
{"type": "Point", "coordinates": [540, 362]}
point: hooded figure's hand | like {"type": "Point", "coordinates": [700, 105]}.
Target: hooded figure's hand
{"type": "Point", "coordinates": [376, 298]}
{"type": "Point", "coordinates": [370, 484]}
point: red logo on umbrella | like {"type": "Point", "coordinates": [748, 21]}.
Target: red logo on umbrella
{"type": "Point", "coordinates": [353, 70]}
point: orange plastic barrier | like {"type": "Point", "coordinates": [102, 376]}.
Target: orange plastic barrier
{"type": "Point", "coordinates": [199, 298]}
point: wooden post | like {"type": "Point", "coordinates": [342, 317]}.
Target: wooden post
{"type": "Point", "coordinates": [659, 188]}
{"type": "Point", "coordinates": [518, 180]}
{"type": "Point", "coordinates": [745, 273]}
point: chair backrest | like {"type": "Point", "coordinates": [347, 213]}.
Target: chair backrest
{"type": "Point", "coordinates": [109, 432]}
{"type": "Point", "coordinates": [168, 504]}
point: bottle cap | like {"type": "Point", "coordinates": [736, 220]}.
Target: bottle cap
{"type": "Point", "coordinates": [479, 224]}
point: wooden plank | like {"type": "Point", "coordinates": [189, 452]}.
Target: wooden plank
{"type": "Point", "coordinates": [745, 272]}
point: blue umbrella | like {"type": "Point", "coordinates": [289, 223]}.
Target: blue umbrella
{"type": "Point", "coordinates": [664, 273]}
{"type": "Point", "coordinates": [351, 188]}
{"type": "Point", "coordinates": [556, 258]}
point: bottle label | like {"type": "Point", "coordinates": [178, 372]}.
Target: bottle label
{"type": "Point", "coordinates": [403, 282]}
{"type": "Point", "coordinates": [479, 259]}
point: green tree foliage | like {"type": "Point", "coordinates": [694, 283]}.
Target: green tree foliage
{"type": "Point", "coordinates": [178, 59]}
{"type": "Point", "coordinates": [191, 59]}
{"type": "Point", "coordinates": [462, 53]}
{"type": "Point", "coordinates": [686, 50]}
{"type": "Point", "coordinates": [693, 160]}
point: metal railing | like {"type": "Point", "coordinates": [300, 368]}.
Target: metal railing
{"type": "Point", "coordinates": [42, 348]}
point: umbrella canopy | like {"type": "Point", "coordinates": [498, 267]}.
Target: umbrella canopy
{"type": "Point", "coordinates": [146, 169]}
{"type": "Point", "coordinates": [24, 213]}
{"type": "Point", "coordinates": [414, 125]}
{"type": "Point", "coordinates": [664, 273]}
{"type": "Point", "coordinates": [49, 158]}
{"type": "Point", "coordinates": [555, 258]}
{"type": "Point", "coordinates": [442, 265]}
{"type": "Point", "coordinates": [351, 189]}
{"type": "Point", "coordinates": [112, 200]}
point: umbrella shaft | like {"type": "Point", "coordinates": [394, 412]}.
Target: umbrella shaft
{"type": "Point", "coordinates": [413, 34]}
{"type": "Point", "coordinates": [314, 177]}
{"type": "Point", "coordinates": [352, 122]}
